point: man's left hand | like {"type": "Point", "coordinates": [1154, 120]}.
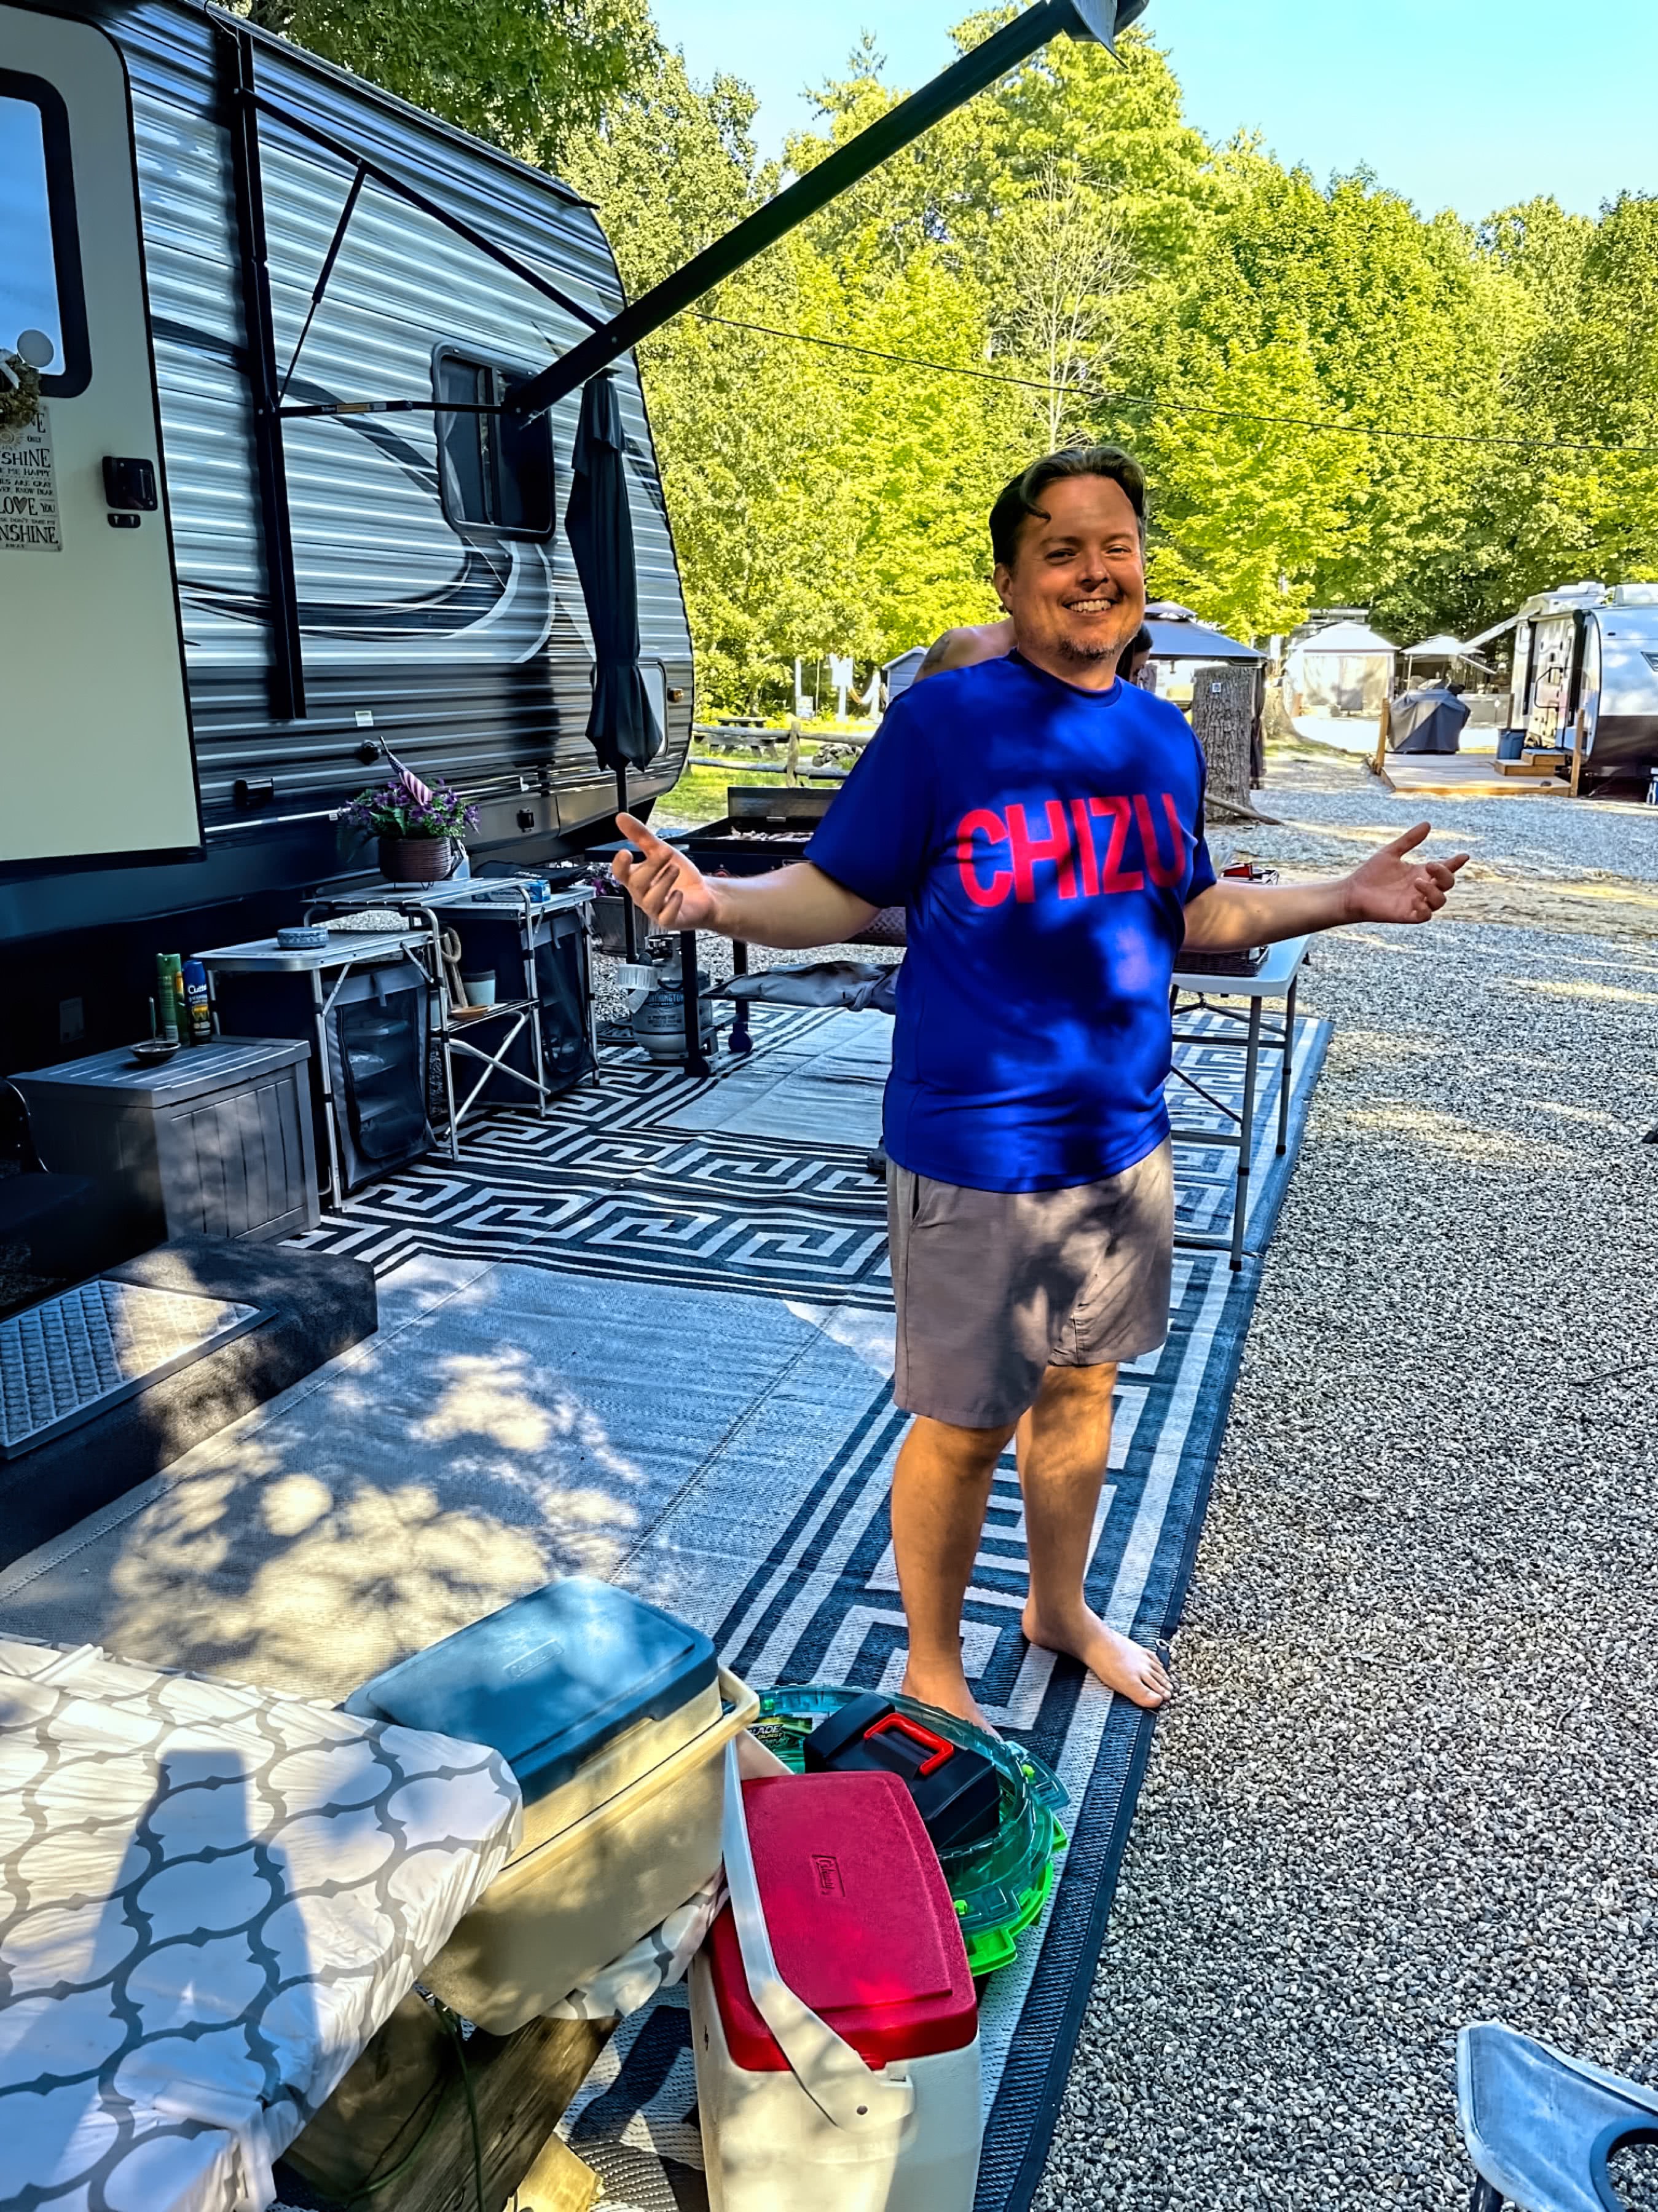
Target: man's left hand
{"type": "Point", "coordinates": [1391, 886]}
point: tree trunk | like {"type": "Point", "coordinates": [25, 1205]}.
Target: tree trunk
{"type": "Point", "coordinates": [1223, 715]}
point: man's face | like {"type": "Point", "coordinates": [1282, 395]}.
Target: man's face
{"type": "Point", "coordinates": [1077, 588]}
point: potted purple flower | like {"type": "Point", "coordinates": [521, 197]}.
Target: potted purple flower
{"type": "Point", "coordinates": [419, 828]}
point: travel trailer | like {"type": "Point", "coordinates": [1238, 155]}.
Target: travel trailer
{"type": "Point", "coordinates": [1588, 656]}
{"type": "Point", "coordinates": [261, 528]}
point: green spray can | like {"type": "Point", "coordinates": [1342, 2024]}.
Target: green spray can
{"type": "Point", "coordinates": [169, 994]}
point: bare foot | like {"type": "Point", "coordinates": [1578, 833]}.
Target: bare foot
{"type": "Point", "coordinates": [1126, 1668]}
{"type": "Point", "coordinates": [947, 1690]}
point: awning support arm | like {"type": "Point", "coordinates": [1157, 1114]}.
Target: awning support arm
{"type": "Point", "coordinates": [462, 229]}
{"type": "Point", "coordinates": [326, 272]}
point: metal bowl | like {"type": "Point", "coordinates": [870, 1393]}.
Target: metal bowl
{"type": "Point", "coordinates": [155, 1050]}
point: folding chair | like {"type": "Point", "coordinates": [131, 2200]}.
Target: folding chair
{"type": "Point", "coordinates": [1539, 2127]}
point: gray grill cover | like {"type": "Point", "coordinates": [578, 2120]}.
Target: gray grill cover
{"type": "Point", "coordinates": [1428, 721]}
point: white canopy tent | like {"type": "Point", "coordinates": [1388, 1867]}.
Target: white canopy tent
{"type": "Point", "coordinates": [1346, 669]}
{"type": "Point", "coordinates": [1444, 647]}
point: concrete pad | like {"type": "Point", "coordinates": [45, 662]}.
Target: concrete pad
{"type": "Point", "coordinates": [507, 1425]}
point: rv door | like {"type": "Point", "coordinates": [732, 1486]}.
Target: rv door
{"type": "Point", "coordinates": [1554, 680]}
{"type": "Point", "coordinates": [94, 733]}
{"type": "Point", "coordinates": [1520, 691]}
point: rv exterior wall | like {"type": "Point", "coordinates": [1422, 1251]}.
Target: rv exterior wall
{"type": "Point", "coordinates": [465, 649]}
{"type": "Point", "coordinates": [1626, 718]}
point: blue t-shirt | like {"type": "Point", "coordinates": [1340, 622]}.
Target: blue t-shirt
{"type": "Point", "coordinates": [1044, 842]}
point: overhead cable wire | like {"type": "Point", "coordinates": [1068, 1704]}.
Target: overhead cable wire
{"type": "Point", "coordinates": [1189, 406]}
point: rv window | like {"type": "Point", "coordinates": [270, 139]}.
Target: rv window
{"type": "Point", "coordinates": [496, 472]}
{"type": "Point", "coordinates": [42, 317]}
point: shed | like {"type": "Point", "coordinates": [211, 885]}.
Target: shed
{"type": "Point", "coordinates": [901, 671]}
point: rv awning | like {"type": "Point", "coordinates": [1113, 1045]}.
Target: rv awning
{"type": "Point", "coordinates": [1496, 629]}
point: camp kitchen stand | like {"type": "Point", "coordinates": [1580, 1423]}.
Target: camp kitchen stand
{"type": "Point", "coordinates": [429, 911]}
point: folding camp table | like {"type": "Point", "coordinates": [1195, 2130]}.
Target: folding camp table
{"type": "Point", "coordinates": [1195, 990]}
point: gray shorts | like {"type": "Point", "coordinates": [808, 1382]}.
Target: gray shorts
{"type": "Point", "coordinates": [993, 1287]}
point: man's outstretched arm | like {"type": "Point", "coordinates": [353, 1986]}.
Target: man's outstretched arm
{"type": "Point", "coordinates": [792, 909]}
{"type": "Point", "coordinates": [1390, 886]}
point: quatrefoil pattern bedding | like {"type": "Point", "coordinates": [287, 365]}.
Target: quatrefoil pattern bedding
{"type": "Point", "coordinates": [210, 1896]}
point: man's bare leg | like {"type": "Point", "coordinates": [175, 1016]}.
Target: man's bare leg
{"type": "Point", "coordinates": [941, 1489]}
{"type": "Point", "coordinates": [1064, 1440]}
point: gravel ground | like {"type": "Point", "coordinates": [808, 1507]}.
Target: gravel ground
{"type": "Point", "coordinates": [1413, 1775]}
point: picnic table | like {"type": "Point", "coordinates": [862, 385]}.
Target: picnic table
{"type": "Point", "coordinates": [215, 1896]}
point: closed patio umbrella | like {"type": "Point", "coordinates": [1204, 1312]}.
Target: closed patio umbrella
{"type": "Point", "coordinates": [622, 724]}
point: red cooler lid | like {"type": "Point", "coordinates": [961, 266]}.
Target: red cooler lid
{"type": "Point", "coordinates": [862, 1925]}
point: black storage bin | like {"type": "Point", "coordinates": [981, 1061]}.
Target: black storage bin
{"type": "Point", "coordinates": [377, 1031]}
{"type": "Point", "coordinates": [214, 1142]}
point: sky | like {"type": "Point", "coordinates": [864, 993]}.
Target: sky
{"type": "Point", "coordinates": [1466, 104]}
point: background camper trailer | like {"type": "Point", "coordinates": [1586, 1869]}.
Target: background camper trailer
{"type": "Point", "coordinates": [1586, 661]}
{"type": "Point", "coordinates": [222, 591]}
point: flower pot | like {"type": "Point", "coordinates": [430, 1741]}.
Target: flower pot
{"type": "Point", "coordinates": [416, 859]}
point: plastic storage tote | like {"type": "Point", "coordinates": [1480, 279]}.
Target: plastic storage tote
{"type": "Point", "coordinates": [614, 1718]}
{"type": "Point", "coordinates": [1001, 1881]}
{"type": "Point", "coordinates": [833, 2021]}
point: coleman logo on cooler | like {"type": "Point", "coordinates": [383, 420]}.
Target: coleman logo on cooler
{"type": "Point", "coordinates": [828, 1871]}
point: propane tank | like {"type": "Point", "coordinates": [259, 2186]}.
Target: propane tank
{"type": "Point", "coordinates": [659, 1023]}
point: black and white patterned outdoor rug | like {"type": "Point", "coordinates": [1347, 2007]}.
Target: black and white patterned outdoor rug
{"type": "Point", "coordinates": [747, 1194]}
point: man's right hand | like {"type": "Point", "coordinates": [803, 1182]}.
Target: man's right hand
{"type": "Point", "coordinates": [662, 882]}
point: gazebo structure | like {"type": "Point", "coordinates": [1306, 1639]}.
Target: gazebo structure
{"type": "Point", "coordinates": [1441, 650]}
{"type": "Point", "coordinates": [1180, 643]}
{"type": "Point", "coordinates": [1343, 671]}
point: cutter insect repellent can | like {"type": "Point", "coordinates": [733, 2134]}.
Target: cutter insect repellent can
{"type": "Point", "coordinates": [198, 1007]}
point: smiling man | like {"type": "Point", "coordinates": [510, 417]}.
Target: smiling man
{"type": "Point", "coordinates": [1041, 822]}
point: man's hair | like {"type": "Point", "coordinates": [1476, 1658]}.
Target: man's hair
{"type": "Point", "coordinates": [1022, 499]}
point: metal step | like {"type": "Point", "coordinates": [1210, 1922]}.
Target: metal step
{"type": "Point", "coordinates": [72, 1356]}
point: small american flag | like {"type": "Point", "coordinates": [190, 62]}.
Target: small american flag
{"type": "Point", "coordinates": [411, 783]}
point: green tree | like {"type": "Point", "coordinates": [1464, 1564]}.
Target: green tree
{"type": "Point", "coordinates": [527, 74]}
{"type": "Point", "coordinates": [1247, 504]}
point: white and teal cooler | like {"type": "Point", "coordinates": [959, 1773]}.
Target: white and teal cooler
{"type": "Point", "coordinates": [615, 1718]}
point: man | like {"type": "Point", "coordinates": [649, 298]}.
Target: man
{"type": "Point", "coordinates": [1042, 824]}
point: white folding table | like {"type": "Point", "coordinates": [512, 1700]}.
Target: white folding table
{"type": "Point", "coordinates": [1195, 990]}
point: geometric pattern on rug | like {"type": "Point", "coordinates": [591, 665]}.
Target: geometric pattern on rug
{"type": "Point", "coordinates": [823, 1604]}
{"type": "Point", "coordinates": [618, 1180]}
